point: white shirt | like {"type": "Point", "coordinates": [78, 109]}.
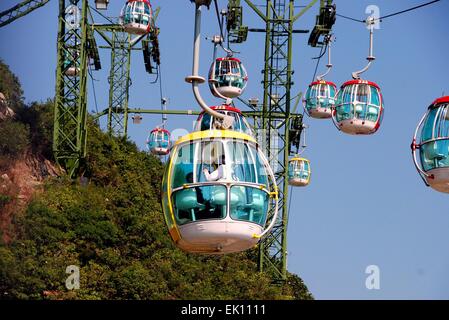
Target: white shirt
{"type": "Point", "coordinates": [217, 174]}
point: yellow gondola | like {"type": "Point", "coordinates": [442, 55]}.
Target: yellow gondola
{"type": "Point", "coordinates": [219, 192]}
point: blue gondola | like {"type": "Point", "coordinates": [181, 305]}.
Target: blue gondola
{"type": "Point", "coordinates": [227, 77]}
{"type": "Point", "coordinates": [359, 108]}
{"type": "Point", "coordinates": [299, 172]}
{"type": "Point", "coordinates": [433, 135]}
{"type": "Point", "coordinates": [137, 17]}
{"type": "Point", "coordinates": [159, 142]}
{"type": "Point", "coordinates": [320, 99]}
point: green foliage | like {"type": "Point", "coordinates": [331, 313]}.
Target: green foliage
{"type": "Point", "coordinates": [39, 118]}
{"type": "Point", "coordinates": [10, 87]}
{"type": "Point", "coordinates": [113, 229]}
{"type": "Point", "coordinates": [33, 125]}
{"type": "Point", "coordinates": [13, 137]}
{"type": "Point", "coordinates": [4, 199]}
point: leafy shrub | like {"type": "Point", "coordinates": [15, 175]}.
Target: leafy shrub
{"type": "Point", "coordinates": [113, 229]}
{"type": "Point", "coordinates": [13, 137]}
{"type": "Point", "coordinates": [10, 87]}
{"type": "Point", "coordinates": [4, 200]}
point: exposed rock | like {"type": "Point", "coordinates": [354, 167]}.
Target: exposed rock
{"type": "Point", "coordinates": [5, 111]}
{"type": "Point", "coordinates": [20, 181]}
{"type": "Point", "coordinates": [5, 177]}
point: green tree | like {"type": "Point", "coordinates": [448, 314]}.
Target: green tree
{"type": "Point", "coordinates": [10, 87]}
{"type": "Point", "coordinates": [13, 138]}
{"type": "Point", "coordinates": [111, 227]}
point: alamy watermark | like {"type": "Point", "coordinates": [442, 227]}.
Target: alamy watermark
{"type": "Point", "coordinates": [374, 13]}
{"type": "Point", "coordinates": [73, 280]}
{"type": "Point", "coordinates": [372, 282]}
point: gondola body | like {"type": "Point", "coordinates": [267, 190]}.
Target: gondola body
{"type": "Point", "coordinates": [227, 77]}
{"type": "Point", "coordinates": [224, 215]}
{"type": "Point", "coordinates": [320, 99]}
{"type": "Point", "coordinates": [359, 108]}
{"type": "Point", "coordinates": [432, 142]}
{"type": "Point", "coordinates": [159, 142]}
{"type": "Point", "coordinates": [299, 172]}
{"type": "Point", "coordinates": [137, 17]}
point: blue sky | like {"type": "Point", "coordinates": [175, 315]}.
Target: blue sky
{"type": "Point", "coordinates": [366, 204]}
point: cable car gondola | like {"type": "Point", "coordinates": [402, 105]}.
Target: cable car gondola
{"type": "Point", "coordinates": [320, 99]}
{"type": "Point", "coordinates": [70, 62]}
{"type": "Point", "coordinates": [137, 17]}
{"type": "Point", "coordinates": [433, 146]}
{"type": "Point", "coordinates": [320, 95]}
{"type": "Point", "coordinates": [206, 122]}
{"type": "Point", "coordinates": [359, 108]}
{"type": "Point", "coordinates": [360, 105]}
{"type": "Point", "coordinates": [227, 77]}
{"type": "Point", "coordinates": [218, 190]}
{"type": "Point", "coordinates": [299, 172]}
{"type": "Point", "coordinates": [159, 142]}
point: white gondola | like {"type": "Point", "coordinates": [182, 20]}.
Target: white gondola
{"type": "Point", "coordinates": [299, 172]}
{"type": "Point", "coordinates": [227, 77]}
{"type": "Point", "coordinates": [137, 17]}
{"type": "Point", "coordinates": [159, 142]}
{"type": "Point", "coordinates": [360, 107]}
{"type": "Point", "coordinates": [433, 145]}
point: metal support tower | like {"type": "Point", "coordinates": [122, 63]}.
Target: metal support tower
{"type": "Point", "coordinates": [121, 45]}
{"type": "Point", "coordinates": [69, 135]}
{"type": "Point", "coordinates": [119, 83]}
{"type": "Point", "coordinates": [76, 48]}
{"type": "Point", "coordinates": [20, 10]}
{"type": "Point", "coordinates": [274, 131]}
{"type": "Point", "coordinates": [275, 121]}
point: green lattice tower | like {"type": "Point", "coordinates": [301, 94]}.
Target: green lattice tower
{"type": "Point", "coordinates": [20, 10]}
{"type": "Point", "coordinates": [69, 136]}
{"type": "Point", "coordinates": [277, 86]}
{"type": "Point", "coordinates": [119, 83]}
{"type": "Point", "coordinates": [273, 126]}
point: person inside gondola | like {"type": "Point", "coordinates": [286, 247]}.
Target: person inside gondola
{"type": "Point", "coordinates": [217, 174]}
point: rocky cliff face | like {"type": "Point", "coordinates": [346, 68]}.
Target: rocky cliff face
{"type": "Point", "coordinates": [18, 183]}
{"type": "Point", "coordinates": [5, 111]}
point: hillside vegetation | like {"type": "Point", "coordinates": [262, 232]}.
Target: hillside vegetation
{"type": "Point", "coordinates": [108, 223]}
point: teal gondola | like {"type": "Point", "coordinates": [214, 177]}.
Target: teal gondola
{"type": "Point", "coordinates": [159, 142]}
{"type": "Point", "coordinates": [137, 17]}
{"type": "Point", "coordinates": [432, 133]}
{"type": "Point", "coordinates": [359, 108]}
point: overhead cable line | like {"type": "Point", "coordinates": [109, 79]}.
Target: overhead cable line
{"type": "Point", "coordinates": [392, 14]}
{"type": "Point", "coordinates": [163, 99]}
{"type": "Point", "coordinates": [228, 50]}
{"type": "Point", "coordinates": [318, 62]}
{"type": "Point", "coordinates": [407, 10]}
{"type": "Point", "coordinates": [217, 11]}
{"type": "Point", "coordinates": [349, 18]}
{"type": "Point", "coordinates": [101, 14]}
